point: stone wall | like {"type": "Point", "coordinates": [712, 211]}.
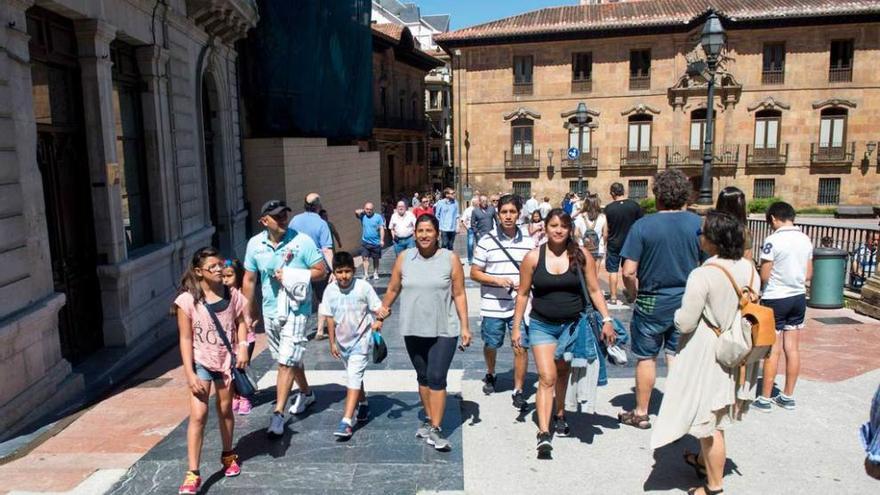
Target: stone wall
{"type": "Point", "coordinates": [486, 94]}
{"type": "Point", "coordinates": [290, 168]}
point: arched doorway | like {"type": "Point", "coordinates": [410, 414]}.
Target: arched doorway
{"type": "Point", "coordinates": [212, 137]}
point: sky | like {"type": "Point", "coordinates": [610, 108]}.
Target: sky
{"type": "Point", "coordinates": [470, 12]}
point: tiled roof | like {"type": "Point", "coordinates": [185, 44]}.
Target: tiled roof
{"type": "Point", "coordinates": [650, 13]}
{"type": "Point", "coordinates": [439, 22]}
{"type": "Point", "coordinates": [393, 31]}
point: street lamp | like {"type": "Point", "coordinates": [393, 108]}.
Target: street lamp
{"type": "Point", "coordinates": [712, 40]}
{"type": "Point", "coordinates": [550, 166]}
{"type": "Point", "coordinates": [581, 116]}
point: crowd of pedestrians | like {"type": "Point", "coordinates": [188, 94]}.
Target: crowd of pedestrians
{"type": "Point", "coordinates": [538, 268]}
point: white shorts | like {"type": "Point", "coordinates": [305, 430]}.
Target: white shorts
{"type": "Point", "coordinates": [355, 366]}
{"type": "Point", "coordinates": [287, 343]}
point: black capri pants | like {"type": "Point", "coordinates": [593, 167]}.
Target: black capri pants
{"type": "Point", "coordinates": [431, 357]}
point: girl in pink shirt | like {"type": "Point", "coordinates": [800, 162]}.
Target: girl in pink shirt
{"type": "Point", "coordinates": [206, 359]}
{"type": "Point", "coordinates": [233, 275]}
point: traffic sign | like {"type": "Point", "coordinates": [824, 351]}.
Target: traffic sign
{"type": "Point", "coordinates": [574, 153]}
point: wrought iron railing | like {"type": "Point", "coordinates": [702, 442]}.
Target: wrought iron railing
{"type": "Point", "coordinates": [522, 88]}
{"type": "Point", "coordinates": [860, 263]}
{"type": "Point", "coordinates": [640, 81]}
{"type": "Point", "coordinates": [641, 158]}
{"type": "Point", "coordinates": [773, 76]}
{"type": "Point", "coordinates": [519, 161]}
{"type": "Point", "coordinates": [766, 157]}
{"type": "Point", "coordinates": [581, 85]}
{"type": "Point", "coordinates": [840, 74]}
{"type": "Point", "coordinates": [832, 154]}
{"type": "Point", "coordinates": [585, 162]}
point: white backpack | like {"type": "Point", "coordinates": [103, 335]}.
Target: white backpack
{"type": "Point", "coordinates": [735, 347]}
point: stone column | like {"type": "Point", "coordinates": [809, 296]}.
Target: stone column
{"type": "Point", "coordinates": [869, 305]}
{"type": "Point", "coordinates": [93, 42]}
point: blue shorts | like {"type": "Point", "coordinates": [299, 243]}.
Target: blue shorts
{"type": "Point", "coordinates": [542, 332]}
{"type": "Point", "coordinates": [492, 330]}
{"type": "Point", "coordinates": [612, 261]}
{"type": "Point", "coordinates": [789, 312]}
{"type": "Point", "coordinates": [207, 375]}
{"type": "Point", "coordinates": [650, 337]}
{"type": "Point", "coordinates": [371, 251]}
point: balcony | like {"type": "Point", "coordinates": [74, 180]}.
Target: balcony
{"type": "Point", "coordinates": [630, 159]}
{"type": "Point", "coordinates": [724, 156]}
{"type": "Point", "coordinates": [766, 157]}
{"type": "Point", "coordinates": [521, 163]}
{"type": "Point", "coordinates": [522, 88]}
{"type": "Point", "coordinates": [840, 74]}
{"type": "Point", "coordinates": [773, 76]}
{"type": "Point", "coordinates": [399, 123]}
{"type": "Point", "coordinates": [639, 81]}
{"type": "Point", "coordinates": [832, 155]}
{"type": "Point", "coordinates": [586, 163]}
{"type": "Point", "coordinates": [582, 85]}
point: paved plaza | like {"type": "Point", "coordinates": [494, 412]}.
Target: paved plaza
{"type": "Point", "coordinates": [134, 441]}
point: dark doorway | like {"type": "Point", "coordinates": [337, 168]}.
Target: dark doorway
{"type": "Point", "coordinates": [391, 175]}
{"type": "Point", "coordinates": [63, 163]}
{"type": "Point", "coordinates": [214, 168]}
{"type": "Point", "coordinates": [696, 184]}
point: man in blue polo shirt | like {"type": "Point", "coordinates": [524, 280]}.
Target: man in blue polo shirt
{"type": "Point", "coordinates": [267, 252]}
{"type": "Point", "coordinates": [446, 211]}
{"type": "Point", "coordinates": [372, 238]}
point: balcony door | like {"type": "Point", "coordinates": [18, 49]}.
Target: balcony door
{"type": "Point", "coordinates": [698, 134]}
{"type": "Point", "coordinates": [832, 133]}
{"type": "Point", "coordinates": [639, 142]}
{"type": "Point", "coordinates": [522, 147]}
{"type": "Point", "coordinates": [767, 128]}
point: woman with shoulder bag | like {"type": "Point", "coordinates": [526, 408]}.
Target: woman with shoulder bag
{"type": "Point", "coordinates": [552, 275]}
{"type": "Point", "coordinates": [703, 398]}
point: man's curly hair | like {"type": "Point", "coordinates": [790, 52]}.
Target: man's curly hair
{"type": "Point", "coordinates": [671, 189]}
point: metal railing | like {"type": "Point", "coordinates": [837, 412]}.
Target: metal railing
{"type": "Point", "coordinates": [642, 158]}
{"type": "Point", "coordinates": [586, 161]}
{"type": "Point", "coordinates": [726, 155]}
{"type": "Point", "coordinates": [849, 239]}
{"type": "Point", "coordinates": [522, 88]}
{"type": "Point", "coordinates": [639, 81]}
{"type": "Point", "coordinates": [581, 85]}
{"type": "Point", "coordinates": [766, 157]}
{"type": "Point", "coordinates": [522, 162]}
{"type": "Point", "coordinates": [773, 76]}
{"type": "Point", "coordinates": [840, 74]}
{"type": "Point", "coordinates": [683, 157]}
{"type": "Point", "coordinates": [832, 154]}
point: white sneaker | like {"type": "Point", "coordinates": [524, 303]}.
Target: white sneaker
{"type": "Point", "coordinates": [376, 275]}
{"type": "Point", "coordinates": [276, 425]}
{"type": "Point", "coordinates": [301, 402]}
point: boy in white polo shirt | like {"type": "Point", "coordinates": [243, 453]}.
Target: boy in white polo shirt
{"type": "Point", "coordinates": [786, 266]}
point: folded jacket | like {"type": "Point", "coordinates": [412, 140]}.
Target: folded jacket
{"type": "Point", "coordinates": [295, 288]}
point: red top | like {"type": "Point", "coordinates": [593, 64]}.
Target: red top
{"type": "Point", "coordinates": [419, 211]}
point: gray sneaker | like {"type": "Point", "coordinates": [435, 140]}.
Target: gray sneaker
{"type": "Point", "coordinates": [762, 404]}
{"type": "Point", "coordinates": [424, 429]}
{"type": "Point", "coordinates": [437, 441]}
{"type": "Point", "coordinates": [276, 425]}
{"type": "Point", "coordinates": [785, 402]}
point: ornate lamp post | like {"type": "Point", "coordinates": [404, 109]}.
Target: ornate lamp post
{"type": "Point", "coordinates": [581, 116]}
{"type": "Point", "coordinates": [712, 40]}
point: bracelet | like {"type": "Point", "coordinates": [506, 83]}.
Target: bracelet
{"type": "Point", "coordinates": [245, 344]}
{"type": "Point", "coordinates": [607, 319]}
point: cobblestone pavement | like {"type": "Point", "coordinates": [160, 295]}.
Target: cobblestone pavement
{"type": "Point", "coordinates": [134, 441]}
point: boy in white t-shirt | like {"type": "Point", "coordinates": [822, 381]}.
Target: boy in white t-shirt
{"type": "Point", "coordinates": [786, 267]}
{"type": "Point", "coordinates": [347, 304]}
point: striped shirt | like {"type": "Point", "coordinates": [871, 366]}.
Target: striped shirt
{"type": "Point", "coordinates": [497, 302]}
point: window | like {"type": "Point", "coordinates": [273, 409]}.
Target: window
{"type": "Point", "coordinates": [829, 191]}
{"type": "Point", "coordinates": [773, 71]}
{"type": "Point", "coordinates": [409, 152]}
{"type": "Point", "coordinates": [767, 123]}
{"type": "Point", "coordinates": [639, 143]}
{"type": "Point", "coordinates": [130, 151]}
{"type": "Point", "coordinates": [435, 157]}
{"type": "Point", "coordinates": [698, 133]}
{"type": "Point", "coordinates": [521, 138]}
{"type": "Point", "coordinates": [581, 71]}
{"type": "Point", "coordinates": [580, 136]}
{"type": "Point", "coordinates": [832, 128]}
{"type": "Point", "coordinates": [841, 66]}
{"type": "Point", "coordinates": [638, 189]}
{"type": "Point", "coordinates": [640, 69]}
{"type": "Point", "coordinates": [523, 189]}
{"type": "Point", "coordinates": [522, 69]}
{"type": "Point", "coordinates": [764, 188]}
{"type": "Point", "coordinates": [579, 187]}
{"type": "Point", "coordinates": [434, 99]}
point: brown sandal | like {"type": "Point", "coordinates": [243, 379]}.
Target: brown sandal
{"type": "Point", "coordinates": [632, 419]}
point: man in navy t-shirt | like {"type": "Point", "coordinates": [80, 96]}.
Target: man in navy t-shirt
{"type": "Point", "coordinates": [372, 238]}
{"type": "Point", "coordinates": [659, 253]}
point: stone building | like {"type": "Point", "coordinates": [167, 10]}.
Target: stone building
{"type": "Point", "coordinates": [119, 156]}
{"type": "Point", "coordinates": [797, 100]}
{"type": "Point", "coordinates": [400, 131]}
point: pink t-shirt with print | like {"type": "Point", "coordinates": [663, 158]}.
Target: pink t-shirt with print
{"type": "Point", "coordinates": [208, 348]}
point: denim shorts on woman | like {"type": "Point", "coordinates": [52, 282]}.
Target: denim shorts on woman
{"type": "Point", "coordinates": [207, 375]}
{"type": "Point", "coordinates": [541, 332]}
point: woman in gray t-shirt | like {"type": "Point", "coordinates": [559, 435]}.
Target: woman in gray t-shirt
{"type": "Point", "coordinates": [433, 313]}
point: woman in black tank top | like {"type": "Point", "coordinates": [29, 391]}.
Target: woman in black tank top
{"type": "Point", "coordinates": [550, 275]}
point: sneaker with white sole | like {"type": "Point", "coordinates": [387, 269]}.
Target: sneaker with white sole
{"type": "Point", "coordinates": [436, 440]}
{"type": "Point", "coordinates": [301, 402]}
{"type": "Point", "coordinates": [762, 404]}
{"type": "Point", "coordinates": [276, 425]}
{"type": "Point", "coordinates": [785, 402]}
{"type": "Point", "coordinates": [424, 429]}
{"type": "Point", "coordinates": [375, 275]}
{"type": "Point", "coordinates": [544, 446]}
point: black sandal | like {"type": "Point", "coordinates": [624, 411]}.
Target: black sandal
{"type": "Point", "coordinates": [706, 490]}
{"type": "Point", "coordinates": [632, 419]}
{"type": "Point", "coordinates": [693, 460]}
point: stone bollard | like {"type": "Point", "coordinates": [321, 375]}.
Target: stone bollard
{"type": "Point", "coordinates": [869, 304]}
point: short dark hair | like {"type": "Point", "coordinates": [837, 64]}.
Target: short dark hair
{"type": "Point", "coordinates": [726, 232]}
{"type": "Point", "coordinates": [343, 259]}
{"type": "Point", "coordinates": [781, 211]}
{"type": "Point", "coordinates": [617, 189]}
{"type": "Point", "coordinates": [671, 189]}
{"type": "Point", "coordinates": [513, 199]}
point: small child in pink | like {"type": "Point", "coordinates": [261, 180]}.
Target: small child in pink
{"type": "Point", "coordinates": [233, 275]}
{"type": "Point", "coordinates": [206, 360]}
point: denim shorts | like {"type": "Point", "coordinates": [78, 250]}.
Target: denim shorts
{"type": "Point", "coordinates": [650, 337]}
{"type": "Point", "coordinates": [492, 330]}
{"type": "Point", "coordinates": [402, 244]}
{"type": "Point", "coordinates": [541, 332]}
{"type": "Point", "coordinates": [789, 312]}
{"type": "Point", "coordinates": [612, 261]}
{"type": "Point", "coordinates": [207, 375]}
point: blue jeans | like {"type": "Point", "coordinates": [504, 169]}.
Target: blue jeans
{"type": "Point", "coordinates": [447, 239]}
{"type": "Point", "coordinates": [471, 242]}
{"type": "Point", "coordinates": [404, 244]}
{"type": "Point", "coordinates": [649, 337]}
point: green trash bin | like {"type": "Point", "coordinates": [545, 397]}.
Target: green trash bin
{"type": "Point", "coordinates": [829, 276]}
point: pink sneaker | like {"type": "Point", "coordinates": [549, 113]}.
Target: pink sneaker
{"type": "Point", "coordinates": [230, 465]}
{"type": "Point", "coordinates": [244, 406]}
{"type": "Point", "coordinates": [235, 404]}
{"type": "Point", "coordinates": [191, 484]}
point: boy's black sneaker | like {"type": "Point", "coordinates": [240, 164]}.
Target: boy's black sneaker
{"type": "Point", "coordinates": [561, 427]}
{"type": "Point", "coordinates": [489, 384]}
{"type": "Point", "coordinates": [519, 401]}
{"type": "Point", "coordinates": [544, 445]}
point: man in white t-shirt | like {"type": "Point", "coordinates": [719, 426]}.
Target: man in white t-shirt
{"type": "Point", "coordinates": [786, 267]}
{"type": "Point", "coordinates": [465, 221]}
{"type": "Point", "coordinates": [545, 208]}
{"type": "Point", "coordinates": [531, 205]}
{"type": "Point", "coordinates": [498, 277]}
{"type": "Point", "coordinates": [402, 225]}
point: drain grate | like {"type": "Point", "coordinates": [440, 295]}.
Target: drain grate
{"type": "Point", "coordinates": [838, 320]}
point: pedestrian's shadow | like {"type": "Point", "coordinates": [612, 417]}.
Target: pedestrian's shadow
{"type": "Point", "coordinates": [504, 382]}
{"type": "Point", "coordinates": [671, 472]}
{"type": "Point", "coordinates": [585, 426]}
{"type": "Point", "coordinates": [627, 402]}
{"type": "Point", "coordinates": [470, 410]}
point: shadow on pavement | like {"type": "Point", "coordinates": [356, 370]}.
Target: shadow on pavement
{"type": "Point", "coordinates": [671, 472]}
{"type": "Point", "coordinates": [627, 402]}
